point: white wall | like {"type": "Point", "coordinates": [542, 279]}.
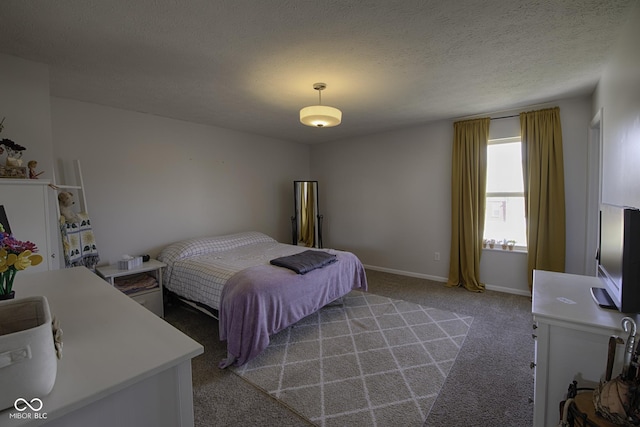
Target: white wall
{"type": "Point", "coordinates": [386, 197]}
{"type": "Point", "coordinates": [618, 94]}
{"type": "Point", "coordinates": [24, 102]}
{"type": "Point", "coordinates": [151, 180]}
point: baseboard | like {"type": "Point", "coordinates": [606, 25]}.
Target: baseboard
{"type": "Point", "coordinates": [507, 290]}
{"type": "Point", "coordinates": [407, 273]}
{"type": "Point", "coordinates": [444, 280]}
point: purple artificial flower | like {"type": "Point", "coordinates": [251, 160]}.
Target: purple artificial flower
{"type": "Point", "coordinates": [14, 246]}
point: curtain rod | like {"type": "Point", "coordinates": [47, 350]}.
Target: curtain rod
{"type": "Point", "coordinates": [528, 108]}
{"type": "Point", "coordinates": [505, 117]}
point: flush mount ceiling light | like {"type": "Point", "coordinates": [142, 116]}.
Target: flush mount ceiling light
{"type": "Point", "coordinates": [320, 116]}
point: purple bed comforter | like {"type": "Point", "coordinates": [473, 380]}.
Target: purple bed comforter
{"type": "Point", "coordinates": [260, 301]}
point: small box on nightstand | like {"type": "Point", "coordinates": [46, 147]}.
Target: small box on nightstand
{"type": "Point", "coordinates": [128, 264]}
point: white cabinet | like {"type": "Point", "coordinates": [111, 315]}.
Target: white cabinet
{"type": "Point", "coordinates": [121, 365]}
{"type": "Point", "coordinates": [26, 202]}
{"type": "Point", "coordinates": [571, 337]}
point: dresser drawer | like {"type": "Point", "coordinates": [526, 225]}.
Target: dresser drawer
{"type": "Point", "coordinates": [151, 300]}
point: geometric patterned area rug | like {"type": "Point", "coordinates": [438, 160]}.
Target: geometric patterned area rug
{"type": "Point", "coordinates": [371, 361]}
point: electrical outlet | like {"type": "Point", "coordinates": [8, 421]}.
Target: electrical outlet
{"type": "Point", "coordinates": [436, 256]}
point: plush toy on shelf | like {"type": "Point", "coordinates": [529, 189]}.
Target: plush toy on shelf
{"type": "Point", "coordinates": [65, 200]}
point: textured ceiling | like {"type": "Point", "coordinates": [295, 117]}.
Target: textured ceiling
{"type": "Point", "coordinates": [250, 65]}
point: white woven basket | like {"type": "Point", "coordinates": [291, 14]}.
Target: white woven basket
{"type": "Point", "coordinates": [28, 363]}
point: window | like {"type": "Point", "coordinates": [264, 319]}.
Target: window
{"type": "Point", "coordinates": [504, 217]}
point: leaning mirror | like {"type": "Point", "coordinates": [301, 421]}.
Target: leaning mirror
{"type": "Point", "coordinates": [306, 223]}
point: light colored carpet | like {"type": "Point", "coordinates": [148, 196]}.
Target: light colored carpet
{"type": "Point", "coordinates": [370, 361]}
{"type": "Point", "coordinates": [490, 383]}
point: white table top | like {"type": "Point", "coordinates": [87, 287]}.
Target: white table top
{"type": "Point", "coordinates": [567, 298]}
{"type": "Point", "coordinates": [110, 341]}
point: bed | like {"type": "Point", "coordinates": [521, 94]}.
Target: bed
{"type": "Point", "coordinates": [233, 278]}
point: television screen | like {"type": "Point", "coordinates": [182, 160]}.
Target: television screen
{"type": "Point", "coordinates": [619, 259]}
{"type": "Point", "coordinates": [611, 248]}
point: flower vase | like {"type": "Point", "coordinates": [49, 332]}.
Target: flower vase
{"type": "Point", "coordinates": [6, 284]}
{"type": "Point", "coordinates": [10, 295]}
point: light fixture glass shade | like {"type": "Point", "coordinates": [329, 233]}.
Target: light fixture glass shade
{"type": "Point", "coordinates": [320, 116]}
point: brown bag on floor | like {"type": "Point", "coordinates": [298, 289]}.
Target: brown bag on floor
{"type": "Point", "coordinates": [617, 401]}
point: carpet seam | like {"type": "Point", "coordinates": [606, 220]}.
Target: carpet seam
{"type": "Point", "coordinates": [278, 401]}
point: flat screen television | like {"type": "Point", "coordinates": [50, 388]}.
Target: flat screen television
{"type": "Point", "coordinates": [619, 259]}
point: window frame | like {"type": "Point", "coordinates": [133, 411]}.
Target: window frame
{"type": "Point", "coordinates": [496, 141]}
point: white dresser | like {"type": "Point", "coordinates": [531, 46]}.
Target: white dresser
{"type": "Point", "coordinates": [571, 339]}
{"type": "Point", "coordinates": [121, 366]}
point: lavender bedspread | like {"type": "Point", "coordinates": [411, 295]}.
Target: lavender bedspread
{"type": "Point", "coordinates": [260, 301]}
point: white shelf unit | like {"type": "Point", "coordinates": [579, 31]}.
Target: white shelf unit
{"type": "Point", "coordinates": [77, 189]}
{"type": "Point", "coordinates": [151, 299]}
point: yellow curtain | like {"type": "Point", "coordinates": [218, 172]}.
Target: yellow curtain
{"type": "Point", "coordinates": [543, 173]}
{"type": "Point", "coordinates": [468, 189]}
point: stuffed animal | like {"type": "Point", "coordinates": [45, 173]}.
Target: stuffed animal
{"type": "Point", "coordinates": [65, 200]}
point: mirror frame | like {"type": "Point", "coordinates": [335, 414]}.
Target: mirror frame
{"type": "Point", "coordinates": [297, 218]}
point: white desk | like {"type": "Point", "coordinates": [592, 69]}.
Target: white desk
{"type": "Point", "coordinates": [121, 365]}
{"type": "Point", "coordinates": [572, 338]}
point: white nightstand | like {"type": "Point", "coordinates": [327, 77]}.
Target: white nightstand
{"type": "Point", "coordinates": [150, 298]}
